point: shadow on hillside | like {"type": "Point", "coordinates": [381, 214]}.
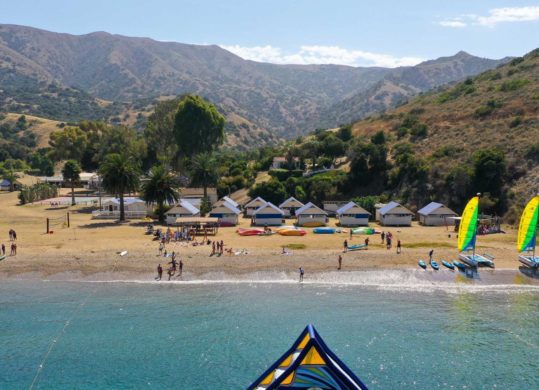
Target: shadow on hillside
{"type": "Point", "coordinates": [85, 210]}
{"type": "Point", "coordinates": [98, 225]}
{"type": "Point", "coordinates": [56, 208]}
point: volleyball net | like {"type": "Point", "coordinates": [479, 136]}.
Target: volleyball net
{"type": "Point", "coordinates": [60, 222]}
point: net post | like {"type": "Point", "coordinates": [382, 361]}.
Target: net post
{"type": "Point", "coordinates": [68, 219]}
{"type": "Point", "coordinates": [48, 226]}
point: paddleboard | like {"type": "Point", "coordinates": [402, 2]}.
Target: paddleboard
{"type": "Point", "coordinates": [434, 265]}
{"type": "Point", "coordinates": [448, 265]}
{"type": "Point", "coordinates": [123, 253]}
{"type": "Point", "coordinates": [422, 264]}
{"type": "Point", "coordinates": [357, 247]}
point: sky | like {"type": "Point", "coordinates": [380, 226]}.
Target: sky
{"type": "Point", "coordinates": [348, 32]}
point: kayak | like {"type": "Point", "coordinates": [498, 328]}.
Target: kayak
{"type": "Point", "coordinates": [324, 230]}
{"type": "Point", "coordinates": [2, 257]}
{"type": "Point", "coordinates": [434, 265]}
{"type": "Point", "coordinates": [292, 232]}
{"type": "Point", "coordinates": [459, 265]}
{"type": "Point", "coordinates": [357, 247]}
{"type": "Point", "coordinates": [422, 264]}
{"type": "Point", "coordinates": [250, 232]}
{"type": "Point", "coordinates": [448, 265]}
{"type": "Point", "coordinates": [363, 230]}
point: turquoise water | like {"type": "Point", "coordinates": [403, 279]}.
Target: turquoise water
{"type": "Point", "coordinates": [222, 336]}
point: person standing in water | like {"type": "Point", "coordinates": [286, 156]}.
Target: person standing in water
{"type": "Point", "coordinates": [301, 273]}
{"type": "Point", "coordinates": [159, 272]}
{"type": "Point", "coordinates": [340, 262]}
{"type": "Point", "coordinates": [180, 265]}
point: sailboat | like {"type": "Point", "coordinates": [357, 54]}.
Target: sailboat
{"type": "Point", "coordinates": [527, 234]}
{"type": "Point", "coordinates": [468, 235]}
{"type": "Point", "coordinates": [308, 364]}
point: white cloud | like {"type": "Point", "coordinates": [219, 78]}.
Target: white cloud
{"type": "Point", "coordinates": [318, 54]}
{"type": "Point", "coordinates": [494, 17]}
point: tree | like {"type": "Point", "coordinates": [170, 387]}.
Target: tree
{"type": "Point", "coordinates": [71, 172]}
{"type": "Point", "coordinates": [69, 143]}
{"type": "Point", "coordinates": [272, 191]}
{"type": "Point", "coordinates": [345, 133]}
{"type": "Point", "coordinates": [162, 187]}
{"type": "Point", "coordinates": [40, 161]}
{"type": "Point", "coordinates": [204, 171]}
{"type": "Point", "coordinates": [12, 177]}
{"type": "Point", "coordinates": [121, 140]}
{"type": "Point", "coordinates": [198, 126]}
{"type": "Point", "coordinates": [333, 147]}
{"type": "Point", "coordinates": [489, 170]}
{"type": "Point", "coordinates": [120, 174]}
{"type": "Point", "coordinates": [159, 131]}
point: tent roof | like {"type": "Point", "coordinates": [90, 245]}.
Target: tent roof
{"type": "Point", "coordinates": [127, 201]}
{"type": "Point", "coordinates": [270, 205]}
{"type": "Point", "coordinates": [392, 205]}
{"type": "Point", "coordinates": [309, 363]}
{"type": "Point", "coordinates": [432, 206]}
{"type": "Point", "coordinates": [291, 202]}
{"type": "Point", "coordinates": [254, 201]}
{"type": "Point", "coordinates": [351, 205]}
{"type": "Point", "coordinates": [305, 208]}
{"type": "Point", "coordinates": [185, 205]}
{"type": "Point", "coordinates": [227, 206]}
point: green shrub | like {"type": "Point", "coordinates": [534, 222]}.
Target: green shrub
{"type": "Point", "coordinates": [515, 122]}
{"type": "Point", "coordinates": [513, 85]}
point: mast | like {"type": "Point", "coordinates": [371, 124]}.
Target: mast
{"type": "Point", "coordinates": [475, 239]}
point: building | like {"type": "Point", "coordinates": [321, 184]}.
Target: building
{"type": "Point", "coordinates": [394, 214]}
{"type": "Point", "coordinates": [436, 214]}
{"type": "Point", "coordinates": [377, 208]}
{"type": "Point", "coordinates": [181, 210]}
{"type": "Point", "coordinates": [280, 162]}
{"type": "Point", "coordinates": [228, 200]}
{"type": "Point", "coordinates": [252, 206]}
{"type": "Point", "coordinates": [351, 214]}
{"type": "Point", "coordinates": [198, 193]}
{"type": "Point", "coordinates": [331, 206]}
{"type": "Point", "coordinates": [5, 185]}
{"type": "Point", "coordinates": [290, 206]}
{"type": "Point", "coordinates": [133, 207]}
{"type": "Point", "coordinates": [88, 180]}
{"type": "Point", "coordinates": [268, 215]}
{"type": "Point", "coordinates": [311, 215]}
{"type": "Point", "coordinates": [226, 213]}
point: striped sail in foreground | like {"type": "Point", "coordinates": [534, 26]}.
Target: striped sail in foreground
{"type": "Point", "coordinates": [468, 235]}
{"type": "Point", "coordinates": [308, 364]}
{"type": "Point", "coordinates": [527, 232]}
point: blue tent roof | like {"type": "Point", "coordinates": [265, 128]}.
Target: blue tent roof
{"type": "Point", "coordinates": [431, 207]}
{"type": "Point", "coordinates": [390, 206]}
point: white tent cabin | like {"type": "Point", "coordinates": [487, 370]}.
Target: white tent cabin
{"type": "Point", "coordinates": [331, 206]}
{"type": "Point", "coordinates": [226, 213]}
{"type": "Point", "coordinates": [268, 215]}
{"type": "Point", "coordinates": [351, 214]}
{"type": "Point", "coordinates": [224, 199]}
{"type": "Point", "coordinates": [436, 214]}
{"type": "Point", "coordinates": [133, 207]}
{"type": "Point", "coordinates": [311, 215]}
{"type": "Point", "coordinates": [290, 206]}
{"type": "Point", "coordinates": [394, 214]}
{"type": "Point", "coordinates": [183, 209]}
{"type": "Point", "coordinates": [253, 205]}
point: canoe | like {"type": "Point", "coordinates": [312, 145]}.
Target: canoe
{"type": "Point", "coordinates": [324, 230]}
{"type": "Point", "coordinates": [357, 247]}
{"type": "Point", "coordinates": [308, 364]}
{"type": "Point", "coordinates": [422, 264]}
{"type": "Point", "coordinates": [250, 232]}
{"type": "Point", "coordinates": [434, 265]}
{"type": "Point", "coordinates": [292, 232]}
{"type": "Point", "coordinates": [448, 265]}
{"type": "Point", "coordinates": [459, 265]}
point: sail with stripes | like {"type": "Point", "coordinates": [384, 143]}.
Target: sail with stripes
{"type": "Point", "coordinates": [468, 225]}
{"type": "Point", "coordinates": [527, 230]}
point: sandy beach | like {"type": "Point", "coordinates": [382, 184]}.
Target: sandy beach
{"type": "Point", "coordinates": [91, 247]}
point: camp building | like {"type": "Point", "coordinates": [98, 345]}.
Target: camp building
{"type": "Point", "coordinates": [435, 214]}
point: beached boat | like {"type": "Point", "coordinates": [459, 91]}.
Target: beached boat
{"type": "Point", "coordinates": [324, 230]}
{"type": "Point", "coordinates": [459, 265]}
{"type": "Point", "coordinates": [357, 247]}
{"type": "Point", "coordinates": [364, 230]}
{"type": "Point", "coordinates": [447, 264]}
{"type": "Point", "coordinates": [422, 264]}
{"type": "Point", "coordinates": [527, 234]}
{"type": "Point", "coordinates": [308, 364]}
{"type": "Point", "coordinates": [434, 265]}
{"type": "Point", "coordinates": [250, 232]}
{"type": "Point", "coordinates": [2, 257]}
{"type": "Point", "coordinates": [292, 232]}
{"type": "Point", "coordinates": [468, 235]}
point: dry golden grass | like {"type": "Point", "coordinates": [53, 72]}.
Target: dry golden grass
{"type": "Point", "coordinates": [40, 126]}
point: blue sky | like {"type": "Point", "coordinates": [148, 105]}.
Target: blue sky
{"type": "Point", "coordinates": [385, 33]}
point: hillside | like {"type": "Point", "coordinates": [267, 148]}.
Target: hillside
{"type": "Point", "coordinates": [276, 100]}
{"type": "Point", "coordinates": [41, 127]}
{"type": "Point", "coordinates": [498, 108]}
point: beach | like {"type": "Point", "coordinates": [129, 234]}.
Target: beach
{"type": "Point", "coordinates": [91, 247]}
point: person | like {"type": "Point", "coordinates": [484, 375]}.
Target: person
{"type": "Point", "coordinates": [340, 262]}
{"type": "Point", "coordinates": [173, 256]}
{"type": "Point", "coordinates": [173, 263]}
{"type": "Point", "coordinates": [430, 254]}
{"type": "Point", "coordinates": [212, 248]}
{"type": "Point", "coordinates": [159, 272]}
{"type": "Point", "coordinates": [399, 249]}
{"type": "Point", "coordinates": [10, 234]}
{"type": "Point", "coordinates": [13, 249]}
{"type": "Point", "coordinates": [169, 272]}
{"type": "Point", "coordinates": [180, 268]}
{"type": "Point", "coordinates": [367, 241]}
{"type": "Point", "coordinates": [165, 254]}
{"type": "Point", "coordinates": [161, 247]}
{"type": "Point", "coordinates": [350, 234]}
{"type": "Point", "coordinates": [383, 235]}
{"type": "Point", "coordinates": [3, 250]}
{"type": "Point", "coordinates": [301, 273]}
{"type": "Point", "coordinates": [345, 245]}
{"type": "Point", "coordinates": [388, 239]}
{"type": "Point", "coordinates": [222, 247]}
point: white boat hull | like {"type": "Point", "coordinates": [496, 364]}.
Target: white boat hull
{"type": "Point", "coordinates": [530, 261]}
{"type": "Point", "coordinates": [476, 260]}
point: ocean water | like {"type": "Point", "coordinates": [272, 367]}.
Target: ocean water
{"type": "Point", "coordinates": [66, 335]}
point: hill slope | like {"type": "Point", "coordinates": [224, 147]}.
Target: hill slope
{"type": "Point", "coordinates": [285, 100]}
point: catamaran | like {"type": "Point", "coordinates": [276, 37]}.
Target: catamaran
{"type": "Point", "coordinates": [468, 235]}
{"type": "Point", "coordinates": [308, 364]}
{"type": "Point", "coordinates": [527, 234]}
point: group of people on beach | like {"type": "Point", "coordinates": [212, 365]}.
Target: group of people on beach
{"type": "Point", "coordinates": [174, 266]}
{"type": "Point", "coordinates": [387, 238]}
{"type": "Point", "coordinates": [13, 245]}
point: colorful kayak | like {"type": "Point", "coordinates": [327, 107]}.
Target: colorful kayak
{"type": "Point", "coordinates": [250, 232]}
{"type": "Point", "coordinates": [292, 232]}
{"type": "Point", "coordinates": [308, 364]}
{"type": "Point", "coordinates": [324, 230]}
{"type": "Point", "coordinates": [422, 264]}
{"type": "Point", "coordinates": [364, 230]}
{"type": "Point", "coordinates": [434, 265]}
{"type": "Point", "coordinates": [448, 265]}
{"type": "Point", "coordinates": [357, 247]}
{"type": "Point", "coordinates": [459, 265]}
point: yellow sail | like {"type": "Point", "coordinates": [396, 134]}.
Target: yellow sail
{"type": "Point", "coordinates": [527, 230]}
{"type": "Point", "coordinates": [468, 225]}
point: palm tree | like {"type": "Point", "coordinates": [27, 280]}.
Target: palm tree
{"type": "Point", "coordinates": [204, 171]}
{"type": "Point", "coordinates": [120, 174]}
{"type": "Point", "coordinates": [71, 172]}
{"type": "Point", "coordinates": [12, 178]}
{"type": "Point", "coordinates": [162, 187]}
